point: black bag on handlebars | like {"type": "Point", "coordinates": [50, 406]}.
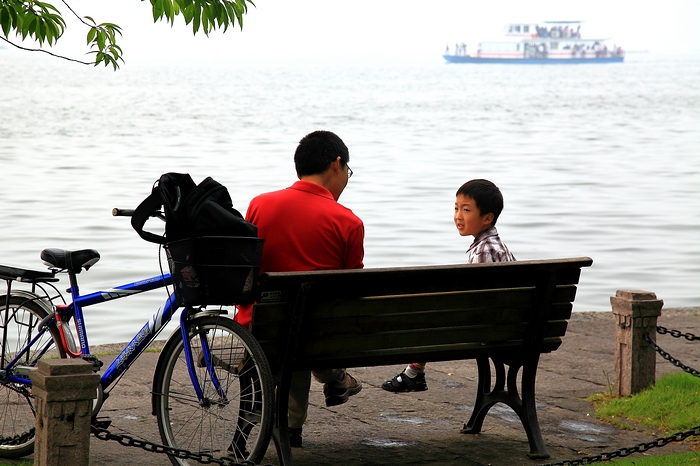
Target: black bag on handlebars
{"type": "Point", "coordinates": [213, 253]}
{"type": "Point", "coordinates": [190, 210]}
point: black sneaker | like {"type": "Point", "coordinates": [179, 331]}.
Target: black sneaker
{"type": "Point", "coordinates": [339, 391]}
{"type": "Point", "coordinates": [404, 383]}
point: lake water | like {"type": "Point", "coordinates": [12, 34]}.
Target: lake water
{"type": "Point", "coordinates": [593, 160]}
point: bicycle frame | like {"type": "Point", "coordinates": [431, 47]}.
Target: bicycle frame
{"type": "Point", "coordinates": [142, 338]}
{"type": "Point", "coordinates": [138, 343]}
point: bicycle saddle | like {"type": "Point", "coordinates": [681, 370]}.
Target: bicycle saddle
{"type": "Point", "coordinates": [72, 261]}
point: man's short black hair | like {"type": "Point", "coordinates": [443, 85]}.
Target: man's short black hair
{"type": "Point", "coordinates": [487, 196]}
{"type": "Point", "coordinates": [317, 150]}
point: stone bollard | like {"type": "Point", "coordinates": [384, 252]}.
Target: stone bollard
{"type": "Point", "coordinates": [635, 360]}
{"type": "Point", "coordinates": [63, 390]}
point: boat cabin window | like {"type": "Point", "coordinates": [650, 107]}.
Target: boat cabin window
{"type": "Point", "coordinates": [554, 46]}
{"type": "Point", "coordinates": [526, 28]}
{"type": "Point", "coordinates": [499, 46]}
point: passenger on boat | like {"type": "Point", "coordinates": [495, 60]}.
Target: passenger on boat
{"type": "Point", "coordinates": [460, 49]}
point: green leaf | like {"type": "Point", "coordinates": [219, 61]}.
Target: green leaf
{"type": "Point", "coordinates": [188, 14]}
{"type": "Point", "coordinates": [157, 9]}
{"type": "Point", "coordinates": [5, 20]}
{"type": "Point", "coordinates": [168, 8]}
{"type": "Point", "coordinates": [91, 35]}
{"type": "Point", "coordinates": [15, 18]}
{"type": "Point", "coordinates": [196, 20]}
{"type": "Point", "coordinates": [51, 32]}
{"type": "Point", "coordinates": [205, 23]}
{"type": "Point", "coordinates": [210, 14]}
{"type": "Point", "coordinates": [41, 31]}
{"type": "Point", "coordinates": [239, 9]}
{"type": "Point", "coordinates": [57, 23]}
{"type": "Point", "coordinates": [27, 26]}
{"type": "Point", "coordinates": [101, 40]}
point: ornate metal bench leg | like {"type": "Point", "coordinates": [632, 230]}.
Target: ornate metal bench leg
{"type": "Point", "coordinates": [528, 414]}
{"type": "Point", "coordinates": [481, 406]}
{"type": "Point", "coordinates": [524, 407]}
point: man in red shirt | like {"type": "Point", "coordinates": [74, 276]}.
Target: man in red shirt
{"type": "Point", "coordinates": [305, 228]}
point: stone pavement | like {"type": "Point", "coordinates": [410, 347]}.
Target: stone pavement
{"type": "Point", "coordinates": [380, 428]}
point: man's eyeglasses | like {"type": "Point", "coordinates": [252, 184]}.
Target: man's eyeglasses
{"type": "Point", "coordinates": [349, 172]}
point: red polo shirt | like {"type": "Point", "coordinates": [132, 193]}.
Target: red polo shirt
{"type": "Point", "coordinates": [304, 228]}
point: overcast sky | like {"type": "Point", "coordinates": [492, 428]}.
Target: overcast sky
{"type": "Point", "coordinates": [382, 30]}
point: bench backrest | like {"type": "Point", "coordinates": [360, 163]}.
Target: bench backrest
{"type": "Point", "coordinates": [366, 317]}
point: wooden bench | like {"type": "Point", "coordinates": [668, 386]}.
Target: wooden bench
{"type": "Point", "coordinates": [507, 313]}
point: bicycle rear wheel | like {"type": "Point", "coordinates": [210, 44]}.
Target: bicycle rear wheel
{"type": "Point", "coordinates": [234, 420]}
{"type": "Point", "coordinates": [18, 326]}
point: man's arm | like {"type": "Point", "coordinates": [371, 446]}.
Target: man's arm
{"type": "Point", "coordinates": [355, 252]}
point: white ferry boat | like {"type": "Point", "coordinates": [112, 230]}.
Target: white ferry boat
{"type": "Point", "coordinates": [548, 42]}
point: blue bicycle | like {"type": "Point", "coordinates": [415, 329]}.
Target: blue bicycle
{"type": "Point", "coordinates": [212, 386]}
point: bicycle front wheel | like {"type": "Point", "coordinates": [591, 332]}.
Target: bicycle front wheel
{"type": "Point", "coordinates": [18, 327]}
{"type": "Point", "coordinates": [234, 416]}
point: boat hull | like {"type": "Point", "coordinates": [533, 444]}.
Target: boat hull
{"type": "Point", "coordinates": [530, 61]}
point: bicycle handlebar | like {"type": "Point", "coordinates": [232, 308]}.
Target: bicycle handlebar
{"type": "Point", "coordinates": [116, 212]}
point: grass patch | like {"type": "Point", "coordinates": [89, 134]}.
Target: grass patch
{"type": "Point", "coordinates": [671, 405]}
{"type": "Point", "coordinates": [689, 459]}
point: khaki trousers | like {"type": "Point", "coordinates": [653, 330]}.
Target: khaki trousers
{"type": "Point", "coordinates": [299, 393]}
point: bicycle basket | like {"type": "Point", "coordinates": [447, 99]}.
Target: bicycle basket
{"type": "Point", "coordinates": [214, 269]}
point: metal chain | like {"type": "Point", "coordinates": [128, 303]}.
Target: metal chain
{"type": "Point", "coordinates": [622, 452]}
{"type": "Point", "coordinates": [670, 358]}
{"type": "Point", "coordinates": [676, 333]}
{"type": "Point", "coordinates": [129, 441]}
{"type": "Point", "coordinates": [18, 439]}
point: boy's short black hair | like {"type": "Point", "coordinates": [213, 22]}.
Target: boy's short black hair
{"type": "Point", "coordinates": [487, 196]}
{"type": "Point", "coordinates": [317, 150]}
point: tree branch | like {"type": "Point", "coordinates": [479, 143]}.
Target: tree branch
{"type": "Point", "coordinates": [46, 51]}
{"type": "Point", "coordinates": [75, 14]}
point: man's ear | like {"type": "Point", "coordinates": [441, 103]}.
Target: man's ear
{"type": "Point", "coordinates": [488, 218]}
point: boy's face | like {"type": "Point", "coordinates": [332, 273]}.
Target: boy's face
{"type": "Point", "coordinates": [468, 218]}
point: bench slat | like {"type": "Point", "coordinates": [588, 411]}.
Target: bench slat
{"type": "Point", "coordinates": [466, 300]}
{"type": "Point", "coordinates": [382, 282]}
{"type": "Point", "coordinates": [453, 352]}
{"type": "Point", "coordinates": [277, 312]}
{"type": "Point", "coordinates": [335, 346]}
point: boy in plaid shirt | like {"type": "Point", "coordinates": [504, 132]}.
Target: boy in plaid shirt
{"type": "Point", "coordinates": [477, 207]}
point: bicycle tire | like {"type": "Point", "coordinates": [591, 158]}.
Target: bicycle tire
{"type": "Point", "coordinates": [17, 411]}
{"type": "Point", "coordinates": [239, 424]}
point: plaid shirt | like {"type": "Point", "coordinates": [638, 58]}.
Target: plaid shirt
{"type": "Point", "coordinates": [488, 247]}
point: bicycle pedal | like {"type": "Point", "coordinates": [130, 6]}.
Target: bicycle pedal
{"type": "Point", "coordinates": [102, 422]}
{"type": "Point", "coordinates": [96, 363]}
